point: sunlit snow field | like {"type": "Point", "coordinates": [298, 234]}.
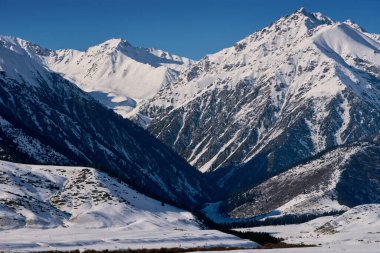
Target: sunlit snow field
{"type": "Point", "coordinates": [357, 230]}
{"type": "Point", "coordinates": [113, 238]}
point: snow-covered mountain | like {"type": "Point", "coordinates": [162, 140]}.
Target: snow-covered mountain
{"type": "Point", "coordinates": [300, 86]}
{"type": "Point", "coordinates": [116, 73]}
{"type": "Point", "coordinates": [46, 119]}
{"type": "Point", "coordinates": [63, 208]}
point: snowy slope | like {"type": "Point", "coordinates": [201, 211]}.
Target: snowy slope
{"type": "Point", "coordinates": [356, 26]}
{"type": "Point", "coordinates": [297, 87]}
{"type": "Point", "coordinates": [46, 119]}
{"type": "Point", "coordinates": [12, 60]}
{"type": "Point", "coordinates": [37, 196]}
{"type": "Point", "coordinates": [85, 208]}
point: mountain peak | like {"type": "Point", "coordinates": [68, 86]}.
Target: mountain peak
{"type": "Point", "coordinates": [9, 38]}
{"type": "Point", "coordinates": [302, 10]}
{"type": "Point", "coordinates": [314, 18]}
{"type": "Point", "coordinates": [22, 46]}
{"type": "Point", "coordinates": [115, 42]}
{"type": "Point", "coordinates": [110, 45]}
{"type": "Point", "coordinates": [294, 27]}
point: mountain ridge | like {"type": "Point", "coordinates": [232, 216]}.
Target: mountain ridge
{"type": "Point", "coordinates": [116, 73]}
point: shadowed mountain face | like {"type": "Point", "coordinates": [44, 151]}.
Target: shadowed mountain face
{"type": "Point", "coordinates": [47, 119]}
{"type": "Point", "coordinates": [360, 179]}
{"type": "Point", "coordinates": [335, 180]}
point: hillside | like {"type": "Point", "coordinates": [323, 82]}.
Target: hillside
{"type": "Point", "coordinates": [66, 208]}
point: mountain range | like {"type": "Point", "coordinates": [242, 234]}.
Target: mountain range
{"type": "Point", "coordinates": [287, 119]}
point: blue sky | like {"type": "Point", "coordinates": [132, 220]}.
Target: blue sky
{"type": "Point", "coordinates": [188, 28]}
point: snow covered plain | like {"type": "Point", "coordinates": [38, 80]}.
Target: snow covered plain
{"type": "Point", "coordinates": [63, 208]}
{"type": "Point", "coordinates": [297, 250]}
{"type": "Point", "coordinates": [27, 239]}
{"type": "Point", "coordinates": [357, 230]}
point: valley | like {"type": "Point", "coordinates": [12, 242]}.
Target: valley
{"type": "Point", "coordinates": [119, 147]}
